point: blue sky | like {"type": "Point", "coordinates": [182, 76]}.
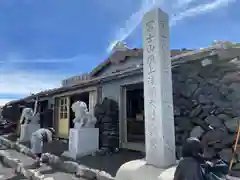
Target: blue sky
{"type": "Point", "coordinates": [45, 41]}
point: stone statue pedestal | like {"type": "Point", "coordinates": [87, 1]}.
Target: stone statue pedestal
{"type": "Point", "coordinates": [82, 142]}
{"type": "Point", "coordinates": [26, 131]}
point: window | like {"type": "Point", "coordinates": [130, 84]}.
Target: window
{"type": "Point", "coordinates": [63, 109]}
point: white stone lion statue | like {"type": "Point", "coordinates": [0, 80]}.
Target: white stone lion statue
{"type": "Point", "coordinates": [28, 117]}
{"type": "Point", "coordinates": [83, 119]}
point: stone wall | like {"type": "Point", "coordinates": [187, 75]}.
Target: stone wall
{"type": "Point", "coordinates": [206, 96]}
{"type": "Point", "coordinates": [108, 123]}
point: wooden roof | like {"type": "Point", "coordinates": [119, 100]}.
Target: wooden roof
{"type": "Point", "coordinates": [120, 56]}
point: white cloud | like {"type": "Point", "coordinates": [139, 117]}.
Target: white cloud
{"type": "Point", "coordinates": [135, 19]}
{"type": "Point", "coordinates": [27, 82]}
{"type": "Point", "coordinates": [183, 3]}
{"type": "Point", "coordinates": [15, 78]}
{"type": "Point", "coordinates": [17, 81]}
{"type": "Point", "coordinates": [15, 58]}
{"type": "Point", "coordinates": [200, 9]}
{"type": "Point", "coordinates": [132, 22]}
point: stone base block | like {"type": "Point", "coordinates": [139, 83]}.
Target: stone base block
{"type": "Point", "coordinates": [82, 142]}
{"type": "Point", "coordinates": [140, 170]}
{"type": "Point", "coordinates": [26, 131]}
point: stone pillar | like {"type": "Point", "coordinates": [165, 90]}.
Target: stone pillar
{"type": "Point", "coordinates": [158, 105]}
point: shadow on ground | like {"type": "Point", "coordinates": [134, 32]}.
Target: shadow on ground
{"type": "Point", "coordinates": [109, 163]}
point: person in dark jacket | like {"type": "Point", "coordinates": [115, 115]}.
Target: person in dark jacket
{"type": "Point", "coordinates": [189, 167]}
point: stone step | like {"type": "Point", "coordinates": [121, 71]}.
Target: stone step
{"type": "Point", "coordinates": [25, 165]}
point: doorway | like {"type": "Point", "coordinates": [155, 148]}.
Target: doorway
{"type": "Point", "coordinates": [63, 123]}
{"type": "Point", "coordinates": [43, 108]}
{"type": "Point", "coordinates": [133, 109]}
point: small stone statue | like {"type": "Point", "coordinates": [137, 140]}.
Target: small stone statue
{"type": "Point", "coordinates": [28, 117]}
{"type": "Point", "coordinates": [83, 119]}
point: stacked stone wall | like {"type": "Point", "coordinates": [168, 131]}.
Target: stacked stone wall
{"type": "Point", "coordinates": [207, 105]}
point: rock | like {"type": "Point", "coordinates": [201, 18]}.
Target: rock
{"type": "Point", "coordinates": [209, 152]}
{"type": "Point", "coordinates": [226, 154]}
{"type": "Point", "coordinates": [200, 123]}
{"type": "Point", "coordinates": [213, 136]}
{"type": "Point", "coordinates": [218, 146]}
{"type": "Point", "coordinates": [188, 90]}
{"type": "Point", "coordinates": [208, 109]}
{"type": "Point", "coordinates": [231, 78]}
{"type": "Point", "coordinates": [52, 160]}
{"type": "Point", "coordinates": [86, 172]}
{"type": "Point", "coordinates": [70, 166]}
{"type": "Point", "coordinates": [232, 125]}
{"type": "Point", "coordinates": [23, 149]}
{"type": "Point", "coordinates": [224, 117]}
{"type": "Point", "coordinates": [197, 132]}
{"type": "Point", "coordinates": [203, 115]}
{"type": "Point", "coordinates": [214, 121]}
{"type": "Point", "coordinates": [225, 90]}
{"type": "Point", "coordinates": [7, 142]}
{"type": "Point", "coordinates": [203, 99]}
{"type": "Point", "coordinates": [182, 102]}
{"type": "Point", "coordinates": [236, 166]}
{"type": "Point", "coordinates": [223, 103]}
{"type": "Point", "coordinates": [183, 124]}
{"type": "Point", "coordinates": [104, 176]}
{"type": "Point", "coordinates": [196, 111]}
{"type": "Point", "coordinates": [106, 119]}
{"type": "Point", "coordinates": [228, 140]}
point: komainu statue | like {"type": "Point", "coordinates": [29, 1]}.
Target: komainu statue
{"type": "Point", "coordinates": [83, 119]}
{"type": "Point", "coordinates": [28, 117]}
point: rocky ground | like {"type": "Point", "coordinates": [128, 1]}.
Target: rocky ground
{"type": "Point", "coordinates": [99, 164]}
{"type": "Point", "coordinates": [8, 173]}
{"type": "Point", "coordinates": [24, 165]}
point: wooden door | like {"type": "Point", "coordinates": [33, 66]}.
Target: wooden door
{"type": "Point", "coordinates": [63, 122]}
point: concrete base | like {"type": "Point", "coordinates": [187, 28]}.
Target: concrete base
{"type": "Point", "coordinates": [140, 170]}
{"type": "Point", "coordinates": [168, 174]}
{"type": "Point", "coordinates": [26, 131]}
{"type": "Point", "coordinates": [82, 142]}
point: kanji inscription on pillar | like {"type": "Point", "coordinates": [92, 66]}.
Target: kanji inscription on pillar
{"type": "Point", "coordinates": [158, 101]}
